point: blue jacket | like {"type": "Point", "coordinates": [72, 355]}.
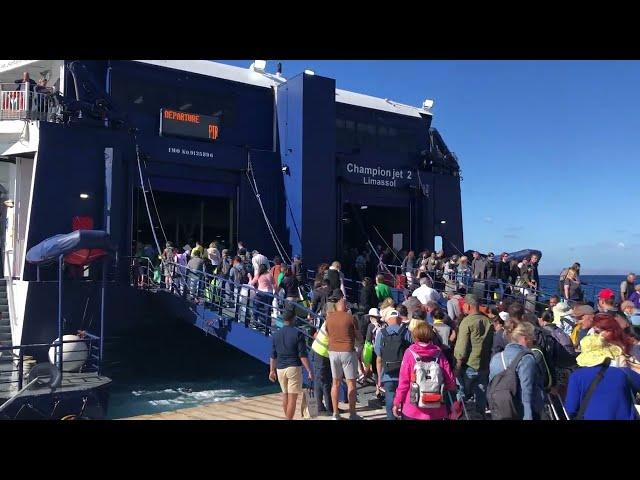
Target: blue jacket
{"type": "Point", "coordinates": [611, 399]}
{"type": "Point", "coordinates": [530, 388]}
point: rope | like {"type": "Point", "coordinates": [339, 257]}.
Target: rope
{"type": "Point", "coordinates": [385, 242]}
{"type": "Point", "coordinates": [254, 187]}
{"type": "Point", "coordinates": [144, 194]}
{"type": "Point", "coordinates": [155, 206]}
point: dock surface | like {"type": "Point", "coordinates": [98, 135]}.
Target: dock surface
{"type": "Point", "coordinates": [261, 407]}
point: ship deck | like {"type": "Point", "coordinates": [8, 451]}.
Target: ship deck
{"type": "Point", "coordinates": [71, 382]}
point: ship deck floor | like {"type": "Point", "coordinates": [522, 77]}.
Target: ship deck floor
{"type": "Point", "coordinates": [70, 382]}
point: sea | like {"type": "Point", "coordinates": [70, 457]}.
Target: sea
{"type": "Point", "coordinates": [184, 368]}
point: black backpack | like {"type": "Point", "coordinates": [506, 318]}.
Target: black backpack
{"type": "Point", "coordinates": [502, 394]}
{"type": "Point", "coordinates": [392, 349]}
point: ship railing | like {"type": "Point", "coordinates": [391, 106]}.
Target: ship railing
{"type": "Point", "coordinates": [22, 357]}
{"type": "Point", "coordinates": [20, 103]}
{"type": "Point", "coordinates": [242, 303]}
{"type": "Point", "coordinates": [488, 291]}
{"type": "Point", "coordinates": [141, 272]}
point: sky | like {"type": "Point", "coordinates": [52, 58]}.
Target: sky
{"type": "Point", "coordinates": [547, 149]}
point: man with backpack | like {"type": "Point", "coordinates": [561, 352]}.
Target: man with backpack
{"type": "Point", "coordinates": [390, 344]}
{"type": "Point", "coordinates": [473, 352]}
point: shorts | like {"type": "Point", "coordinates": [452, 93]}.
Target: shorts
{"type": "Point", "coordinates": [290, 379]}
{"type": "Point", "coordinates": [344, 365]}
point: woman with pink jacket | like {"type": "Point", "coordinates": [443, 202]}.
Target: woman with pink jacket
{"type": "Point", "coordinates": [423, 348]}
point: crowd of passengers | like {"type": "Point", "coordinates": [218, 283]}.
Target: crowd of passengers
{"type": "Point", "coordinates": [568, 358]}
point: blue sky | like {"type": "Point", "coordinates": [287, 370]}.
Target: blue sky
{"type": "Point", "coordinates": [548, 149]}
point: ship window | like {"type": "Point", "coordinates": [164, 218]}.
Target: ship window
{"type": "Point", "coordinates": [340, 123]}
{"type": "Point", "coordinates": [437, 243]}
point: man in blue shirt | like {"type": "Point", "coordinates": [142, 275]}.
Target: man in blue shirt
{"type": "Point", "coordinates": [288, 354]}
{"type": "Point", "coordinates": [389, 360]}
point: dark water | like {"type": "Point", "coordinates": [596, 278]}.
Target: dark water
{"type": "Point", "coordinates": [180, 367]}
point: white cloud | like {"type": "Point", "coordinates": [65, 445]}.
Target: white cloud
{"type": "Point", "coordinates": [488, 219]}
{"type": "Point", "coordinates": [621, 245]}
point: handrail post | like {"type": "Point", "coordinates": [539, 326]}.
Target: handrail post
{"type": "Point", "coordinates": [102, 298]}
{"type": "Point", "coordinates": [20, 368]}
{"type": "Point", "coordinates": [60, 341]}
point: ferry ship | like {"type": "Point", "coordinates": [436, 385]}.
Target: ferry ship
{"type": "Point", "coordinates": [156, 150]}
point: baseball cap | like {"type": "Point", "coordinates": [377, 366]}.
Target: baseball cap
{"type": "Point", "coordinates": [581, 310]}
{"type": "Point", "coordinates": [606, 294]}
{"type": "Point", "coordinates": [391, 313]}
{"type": "Point", "coordinates": [504, 316]}
{"type": "Point", "coordinates": [374, 312]}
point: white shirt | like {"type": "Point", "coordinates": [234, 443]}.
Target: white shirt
{"type": "Point", "coordinates": [425, 294]}
{"type": "Point", "coordinates": [258, 260]}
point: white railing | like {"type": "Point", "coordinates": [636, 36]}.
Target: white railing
{"type": "Point", "coordinates": [10, 300]}
{"type": "Point", "coordinates": [20, 103]}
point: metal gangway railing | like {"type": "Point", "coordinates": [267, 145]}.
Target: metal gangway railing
{"type": "Point", "coordinates": [231, 301]}
{"type": "Point", "coordinates": [20, 103]}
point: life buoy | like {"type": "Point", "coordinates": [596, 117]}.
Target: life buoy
{"type": "Point", "coordinates": [44, 370]}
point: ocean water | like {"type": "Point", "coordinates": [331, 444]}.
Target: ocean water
{"type": "Point", "coordinates": [591, 284]}
{"type": "Point", "coordinates": [180, 367]}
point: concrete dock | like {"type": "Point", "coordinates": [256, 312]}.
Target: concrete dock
{"type": "Point", "coordinates": [262, 407]}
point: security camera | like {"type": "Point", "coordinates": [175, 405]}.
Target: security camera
{"type": "Point", "coordinates": [427, 104]}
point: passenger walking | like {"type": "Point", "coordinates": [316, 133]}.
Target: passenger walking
{"type": "Point", "coordinates": [238, 275]}
{"type": "Point", "coordinates": [473, 352]}
{"type": "Point", "coordinates": [516, 359]}
{"type": "Point", "coordinates": [500, 340]}
{"type": "Point", "coordinates": [635, 297]}
{"type": "Point", "coordinates": [198, 249]}
{"type": "Point", "coordinates": [546, 322]}
{"type": "Point", "coordinates": [572, 288]}
{"type": "Point", "coordinates": [627, 287]}
{"type": "Point", "coordinates": [322, 370]}
{"type": "Point", "coordinates": [450, 275]}
{"type": "Point", "coordinates": [336, 278]}
{"type": "Point", "coordinates": [368, 296]}
{"type": "Point", "coordinates": [424, 377]}
{"type": "Point", "coordinates": [213, 254]}
{"type": "Point", "coordinates": [288, 355]}
{"type": "Point", "coordinates": [168, 258]}
{"type": "Point", "coordinates": [290, 285]}
{"type": "Point", "coordinates": [598, 390]}
{"type": "Point", "coordinates": [390, 343]}
{"type": "Point", "coordinates": [258, 259]}
{"type": "Point", "coordinates": [408, 267]}
{"type": "Point", "coordinates": [463, 273]}
{"type": "Point", "coordinates": [320, 297]}
{"type": "Point", "coordinates": [196, 273]}
{"type": "Point", "coordinates": [342, 331]}
{"type": "Point", "coordinates": [276, 269]}
{"type": "Point", "coordinates": [382, 289]}
{"type": "Point", "coordinates": [503, 271]}
{"type": "Point", "coordinates": [263, 282]}
{"type": "Point", "coordinates": [425, 293]}
{"type": "Point", "coordinates": [298, 269]}
{"type": "Point", "coordinates": [584, 316]}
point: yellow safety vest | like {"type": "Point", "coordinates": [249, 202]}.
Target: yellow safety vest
{"type": "Point", "coordinates": [321, 342]}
